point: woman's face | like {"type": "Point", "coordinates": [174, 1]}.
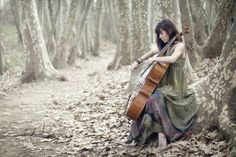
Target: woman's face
{"type": "Point", "coordinates": [164, 36]}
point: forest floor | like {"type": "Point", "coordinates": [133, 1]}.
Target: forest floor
{"type": "Point", "coordinates": [81, 117]}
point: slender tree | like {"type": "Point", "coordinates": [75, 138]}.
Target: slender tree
{"type": "Point", "coordinates": [188, 38]}
{"type": "Point", "coordinates": [82, 24]}
{"type": "Point", "coordinates": [2, 50]}
{"type": "Point", "coordinates": [60, 60]}
{"type": "Point", "coordinates": [122, 56]}
{"type": "Point", "coordinates": [196, 11]}
{"type": "Point", "coordinates": [52, 35]}
{"type": "Point", "coordinates": [170, 9]}
{"type": "Point", "coordinates": [139, 28]}
{"type": "Point", "coordinates": [15, 13]}
{"type": "Point", "coordinates": [98, 22]}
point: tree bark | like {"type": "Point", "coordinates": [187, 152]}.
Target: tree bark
{"type": "Point", "coordinates": [122, 56]}
{"type": "Point", "coordinates": [48, 22]}
{"type": "Point", "coordinates": [38, 65]}
{"type": "Point", "coordinates": [170, 9]}
{"type": "Point", "coordinates": [2, 50]}
{"type": "Point", "coordinates": [145, 25]}
{"type": "Point", "coordinates": [210, 12]}
{"type": "Point", "coordinates": [140, 34]}
{"type": "Point", "coordinates": [40, 6]}
{"type": "Point", "coordinates": [188, 38]}
{"type": "Point", "coordinates": [60, 60]}
{"type": "Point", "coordinates": [51, 43]}
{"type": "Point", "coordinates": [82, 24]}
{"type": "Point", "coordinates": [198, 21]}
{"type": "Point", "coordinates": [15, 13]}
{"type": "Point", "coordinates": [113, 10]}
{"type": "Point", "coordinates": [214, 44]}
{"type": "Point", "coordinates": [140, 24]}
{"type": "Point", "coordinates": [98, 22]}
{"type": "Point", "coordinates": [216, 94]}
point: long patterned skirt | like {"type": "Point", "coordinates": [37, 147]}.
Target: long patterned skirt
{"type": "Point", "coordinates": [154, 119]}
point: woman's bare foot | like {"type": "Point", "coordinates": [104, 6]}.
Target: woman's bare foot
{"type": "Point", "coordinates": [162, 141]}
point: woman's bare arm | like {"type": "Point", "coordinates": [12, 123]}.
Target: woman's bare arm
{"type": "Point", "coordinates": [148, 54]}
{"type": "Point", "coordinates": [179, 50]}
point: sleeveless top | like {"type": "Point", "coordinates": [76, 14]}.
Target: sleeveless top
{"type": "Point", "coordinates": [180, 100]}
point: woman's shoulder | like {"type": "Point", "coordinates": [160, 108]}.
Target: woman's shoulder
{"type": "Point", "coordinates": [179, 46]}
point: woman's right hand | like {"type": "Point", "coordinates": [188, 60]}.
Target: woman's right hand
{"type": "Point", "coordinates": [134, 66]}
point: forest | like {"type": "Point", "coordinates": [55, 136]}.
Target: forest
{"type": "Point", "coordinates": [65, 75]}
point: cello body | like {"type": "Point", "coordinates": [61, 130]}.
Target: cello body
{"type": "Point", "coordinates": [151, 82]}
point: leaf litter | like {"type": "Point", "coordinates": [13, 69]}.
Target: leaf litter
{"type": "Point", "coordinates": [82, 117]}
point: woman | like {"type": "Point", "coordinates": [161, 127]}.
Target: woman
{"type": "Point", "coordinates": [171, 110]}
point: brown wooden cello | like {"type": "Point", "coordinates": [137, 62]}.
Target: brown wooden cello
{"type": "Point", "coordinates": [136, 103]}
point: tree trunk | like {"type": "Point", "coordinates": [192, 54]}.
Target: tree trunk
{"type": "Point", "coordinates": [188, 38]}
{"type": "Point", "coordinates": [51, 43]}
{"type": "Point", "coordinates": [145, 25]}
{"type": "Point", "coordinates": [83, 50]}
{"type": "Point", "coordinates": [88, 41]}
{"type": "Point", "coordinates": [214, 44]}
{"type": "Point", "coordinates": [139, 28]}
{"type": "Point", "coordinates": [216, 94]}
{"type": "Point", "coordinates": [170, 9]}
{"type": "Point", "coordinates": [198, 21]}
{"type": "Point", "coordinates": [15, 13]}
{"type": "Point", "coordinates": [38, 65]}
{"type": "Point", "coordinates": [152, 19]}
{"type": "Point", "coordinates": [60, 60]}
{"type": "Point", "coordinates": [211, 13]}
{"type": "Point", "coordinates": [2, 50]}
{"type": "Point", "coordinates": [98, 22]}
{"type": "Point", "coordinates": [122, 56]}
{"type": "Point", "coordinates": [82, 24]}
{"type": "Point", "coordinates": [59, 21]}
{"type": "Point", "coordinates": [113, 11]}
{"type": "Point", "coordinates": [40, 6]}
{"type": "Point", "coordinates": [48, 22]}
{"type": "Point", "coordinates": [140, 34]}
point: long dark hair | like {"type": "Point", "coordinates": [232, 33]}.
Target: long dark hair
{"type": "Point", "coordinates": [168, 26]}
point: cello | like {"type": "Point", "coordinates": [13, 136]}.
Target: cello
{"type": "Point", "coordinates": [137, 101]}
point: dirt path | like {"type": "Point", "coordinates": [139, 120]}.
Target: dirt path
{"type": "Point", "coordinates": [56, 118]}
{"type": "Point", "coordinates": [82, 116]}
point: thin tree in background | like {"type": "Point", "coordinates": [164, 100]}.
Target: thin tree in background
{"type": "Point", "coordinates": [52, 35]}
{"type": "Point", "coordinates": [140, 28]}
{"type": "Point", "coordinates": [188, 38]}
{"type": "Point", "coordinates": [97, 23]}
{"type": "Point", "coordinates": [15, 13]}
{"type": "Point", "coordinates": [122, 56]}
{"type": "Point", "coordinates": [60, 60]}
{"type": "Point", "coordinates": [140, 34]}
{"type": "Point", "coordinates": [2, 50]}
{"type": "Point", "coordinates": [81, 26]}
{"type": "Point", "coordinates": [196, 11]}
{"type": "Point", "coordinates": [170, 9]}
